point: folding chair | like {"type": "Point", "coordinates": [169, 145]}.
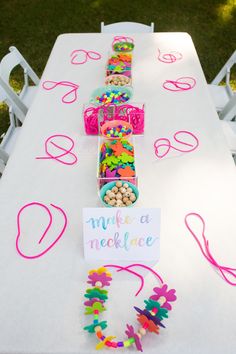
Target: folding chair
{"type": "Point", "coordinates": [7, 64]}
{"type": "Point", "coordinates": [127, 27]}
{"type": "Point", "coordinates": [224, 96]}
{"type": "Point", "coordinates": [18, 103]}
{"type": "Point", "coordinates": [3, 160]}
{"type": "Point", "coordinates": [229, 129]}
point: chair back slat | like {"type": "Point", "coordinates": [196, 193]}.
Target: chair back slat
{"type": "Point", "coordinates": [127, 27]}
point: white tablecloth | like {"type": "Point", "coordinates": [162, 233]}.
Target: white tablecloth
{"type": "Point", "coordinates": [41, 300]}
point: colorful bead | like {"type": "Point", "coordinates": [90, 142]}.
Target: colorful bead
{"type": "Point", "coordinates": [127, 343]}
{"type": "Point", "coordinates": [120, 344]}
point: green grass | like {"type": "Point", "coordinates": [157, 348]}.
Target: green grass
{"type": "Point", "coordinates": [33, 25]}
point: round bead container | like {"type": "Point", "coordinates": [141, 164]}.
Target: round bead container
{"type": "Point", "coordinates": [115, 194]}
{"type": "Point", "coordinates": [111, 95]}
{"type": "Point", "coordinates": [118, 80]}
{"type": "Point", "coordinates": [116, 129]}
{"type": "Point", "coordinates": [123, 47]}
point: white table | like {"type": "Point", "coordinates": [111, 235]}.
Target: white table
{"type": "Point", "coordinates": [41, 300]}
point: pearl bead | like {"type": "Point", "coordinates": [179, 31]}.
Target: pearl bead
{"type": "Point", "coordinates": [142, 331]}
{"type": "Point", "coordinates": [98, 284]}
{"type": "Point", "coordinates": [162, 300]}
{"type": "Point", "coordinates": [118, 184]}
{"type": "Point", "coordinates": [97, 329]}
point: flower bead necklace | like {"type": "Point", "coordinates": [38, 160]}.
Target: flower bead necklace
{"type": "Point", "coordinates": [150, 318]}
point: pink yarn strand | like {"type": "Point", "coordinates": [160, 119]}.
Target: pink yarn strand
{"type": "Point", "coordinates": [127, 269]}
{"type": "Point", "coordinates": [181, 84]}
{"type": "Point", "coordinates": [44, 233]}
{"type": "Point", "coordinates": [165, 142]}
{"type": "Point", "coordinates": [169, 58]}
{"type": "Point", "coordinates": [223, 270]}
{"type": "Point", "coordinates": [65, 151]}
{"type": "Point", "coordinates": [50, 85]}
{"type": "Point", "coordinates": [85, 54]}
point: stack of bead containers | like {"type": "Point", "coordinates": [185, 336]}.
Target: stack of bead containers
{"type": "Point", "coordinates": [116, 162]}
{"type": "Point", "coordinates": [103, 106]}
{"type": "Point", "coordinates": [111, 116]}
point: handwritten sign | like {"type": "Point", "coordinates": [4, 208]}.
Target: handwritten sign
{"type": "Point", "coordinates": [121, 233]}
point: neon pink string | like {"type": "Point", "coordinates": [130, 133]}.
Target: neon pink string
{"type": "Point", "coordinates": [65, 151]}
{"type": "Point", "coordinates": [45, 232]}
{"type": "Point", "coordinates": [118, 39]}
{"type": "Point", "coordinates": [132, 114]}
{"type": "Point", "coordinates": [120, 268]}
{"type": "Point", "coordinates": [50, 85]}
{"type": "Point", "coordinates": [184, 83]}
{"type": "Point", "coordinates": [165, 142]}
{"type": "Point", "coordinates": [86, 54]}
{"type": "Point", "coordinates": [169, 58]}
{"type": "Point", "coordinates": [205, 250]}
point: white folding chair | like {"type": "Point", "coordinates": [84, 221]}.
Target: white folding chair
{"type": "Point", "coordinates": [7, 64]}
{"type": "Point", "coordinates": [229, 129]}
{"type": "Point", "coordinates": [3, 160]}
{"type": "Point", "coordinates": [224, 96]}
{"type": "Point", "coordinates": [18, 103]}
{"type": "Point", "coordinates": [127, 27]}
{"type": "Point", "coordinates": [17, 111]}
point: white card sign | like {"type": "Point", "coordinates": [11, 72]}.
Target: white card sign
{"type": "Point", "coordinates": [121, 233]}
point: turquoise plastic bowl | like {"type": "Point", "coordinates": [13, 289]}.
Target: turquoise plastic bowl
{"type": "Point", "coordinates": [101, 90]}
{"type": "Point", "coordinates": [110, 185]}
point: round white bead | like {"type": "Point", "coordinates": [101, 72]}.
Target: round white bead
{"type": "Point", "coordinates": [98, 284]}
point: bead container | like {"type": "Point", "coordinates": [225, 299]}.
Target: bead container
{"type": "Point", "coordinates": [95, 116]}
{"type": "Point", "coordinates": [116, 161]}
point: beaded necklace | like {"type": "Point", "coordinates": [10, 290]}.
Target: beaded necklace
{"type": "Point", "coordinates": [150, 318]}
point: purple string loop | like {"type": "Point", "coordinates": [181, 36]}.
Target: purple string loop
{"type": "Point", "coordinates": [224, 271]}
{"type": "Point", "coordinates": [184, 83]}
{"type": "Point", "coordinates": [87, 54]}
{"type": "Point", "coordinates": [49, 141]}
{"type": "Point", "coordinates": [50, 85]}
{"type": "Point", "coordinates": [165, 142]}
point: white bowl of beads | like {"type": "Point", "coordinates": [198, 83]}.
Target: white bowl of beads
{"type": "Point", "coordinates": [119, 194]}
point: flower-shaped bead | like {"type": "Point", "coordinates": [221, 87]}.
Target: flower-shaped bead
{"type": "Point", "coordinates": [101, 278]}
{"type": "Point", "coordinates": [151, 326]}
{"type": "Point", "coordinates": [165, 295]}
{"type": "Point", "coordinates": [131, 334]}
